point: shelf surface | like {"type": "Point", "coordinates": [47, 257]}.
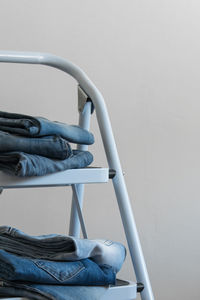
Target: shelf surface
{"type": "Point", "coordinates": [123, 290]}
{"type": "Point", "coordinates": [68, 177]}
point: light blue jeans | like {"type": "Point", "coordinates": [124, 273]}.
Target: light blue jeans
{"type": "Point", "coordinates": [50, 292]}
{"type": "Point", "coordinates": [38, 126]}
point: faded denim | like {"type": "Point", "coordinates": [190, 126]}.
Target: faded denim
{"type": "Point", "coordinates": [38, 126]}
{"type": "Point", "coordinates": [62, 247]}
{"type": "Point", "coordinates": [81, 272]}
{"type": "Point", "coordinates": [48, 146]}
{"type": "Point", "coordinates": [23, 164]}
{"type": "Point", "coordinates": [50, 292]}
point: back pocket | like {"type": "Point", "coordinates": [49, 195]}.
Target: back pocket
{"type": "Point", "coordinates": [61, 270]}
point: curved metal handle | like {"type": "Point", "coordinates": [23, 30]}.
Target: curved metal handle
{"type": "Point", "coordinates": [58, 63]}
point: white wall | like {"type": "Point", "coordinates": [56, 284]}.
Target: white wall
{"type": "Point", "coordinates": [144, 58]}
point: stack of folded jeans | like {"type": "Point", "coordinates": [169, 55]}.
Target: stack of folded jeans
{"type": "Point", "coordinates": [56, 267]}
{"type": "Point", "coordinates": [35, 146]}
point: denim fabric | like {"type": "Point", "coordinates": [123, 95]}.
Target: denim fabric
{"type": "Point", "coordinates": [50, 292]}
{"type": "Point", "coordinates": [49, 146]}
{"type": "Point", "coordinates": [24, 164]}
{"type": "Point", "coordinates": [62, 247]}
{"type": "Point", "coordinates": [82, 272]}
{"type": "Point", "coordinates": [39, 126]}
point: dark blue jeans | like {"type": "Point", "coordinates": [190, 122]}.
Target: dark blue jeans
{"type": "Point", "coordinates": [24, 164]}
{"type": "Point", "coordinates": [38, 126]}
{"type": "Point", "coordinates": [81, 272]}
{"type": "Point", "coordinates": [62, 247]}
{"type": "Point", "coordinates": [48, 146]}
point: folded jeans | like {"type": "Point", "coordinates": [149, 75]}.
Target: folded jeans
{"type": "Point", "coordinates": [23, 164]}
{"type": "Point", "coordinates": [50, 292]}
{"type": "Point", "coordinates": [81, 272]}
{"type": "Point", "coordinates": [39, 126]}
{"type": "Point", "coordinates": [48, 146]}
{"type": "Point", "coordinates": [62, 247]}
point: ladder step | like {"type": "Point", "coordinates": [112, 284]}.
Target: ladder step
{"type": "Point", "coordinates": [123, 290]}
{"type": "Point", "coordinates": [63, 178]}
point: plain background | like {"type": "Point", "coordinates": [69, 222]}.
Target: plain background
{"type": "Point", "coordinates": [144, 56]}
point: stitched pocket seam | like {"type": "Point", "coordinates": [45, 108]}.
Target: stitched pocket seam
{"type": "Point", "coordinates": [56, 275]}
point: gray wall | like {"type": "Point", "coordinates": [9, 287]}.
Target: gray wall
{"type": "Point", "coordinates": [144, 58]}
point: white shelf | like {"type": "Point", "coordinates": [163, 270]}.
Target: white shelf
{"type": "Point", "coordinates": [68, 177]}
{"type": "Point", "coordinates": [123, 290]}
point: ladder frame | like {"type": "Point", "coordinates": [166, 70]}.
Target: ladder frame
{"type": "Point", "coordinates": [111, 153]}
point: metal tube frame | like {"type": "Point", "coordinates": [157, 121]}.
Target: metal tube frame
{"type": "Point", "coordinates": [79, 218]}
{"type": "Point", "coordinates": [74, 227]}
{"type": "Point", "coordinates": [110, 149]}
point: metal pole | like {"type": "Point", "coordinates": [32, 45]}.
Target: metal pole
{"type": "Point", "coordinates": [84, 122]}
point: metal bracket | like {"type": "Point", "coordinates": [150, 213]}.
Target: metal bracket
{"type": "Point", "coordinates": [82, 99]}
{"type": "Point", "coordinates": [112, 173]}
{"type": "Point", "coordinates": [140, 287]}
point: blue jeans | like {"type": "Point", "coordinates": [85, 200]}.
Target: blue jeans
{"type": "Point", "coordinates": [24, 164]}
{"type": "Point", "coordinates": [81, 272]}
{"type": "Point", "coordinates": [50, 292]}
{"type": "Point", "coordinates": [48, 146]}
{"type": "Point", "coordinates": [62, 248]}
{"type": "Point", "coordinates": [38, 126]}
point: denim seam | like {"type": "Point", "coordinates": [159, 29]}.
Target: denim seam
{"type": "Point", "coordinates": [55, 274]}
{"type": "Point", "coordinates": [108, 242]}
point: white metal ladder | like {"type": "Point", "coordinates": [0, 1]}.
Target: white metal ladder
{"type": "Point", "coordinates": [89, 97]}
